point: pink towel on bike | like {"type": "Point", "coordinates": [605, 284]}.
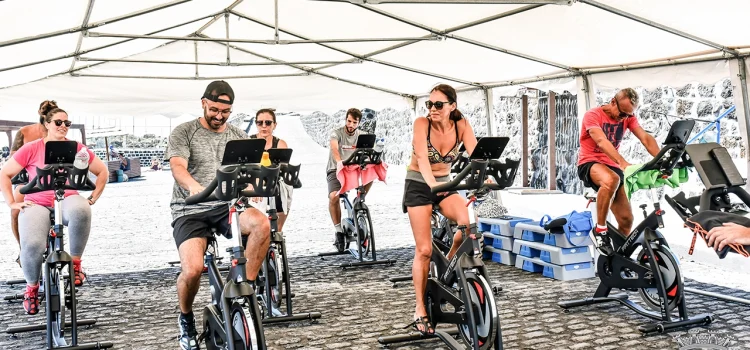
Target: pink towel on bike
{"type": "Point", "coordinates": [348, 175]}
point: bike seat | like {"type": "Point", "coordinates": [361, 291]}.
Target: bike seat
{"type": "Point", "coordinates": [556, 226]}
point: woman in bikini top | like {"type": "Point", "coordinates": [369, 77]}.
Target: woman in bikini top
{"type": "Point", "coordinates": [428, 168]}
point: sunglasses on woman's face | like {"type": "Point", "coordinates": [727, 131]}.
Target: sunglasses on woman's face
{"type": "Point", "coordinates": [60, 122]}
{"type": "Point", "coordinates": [260, 122]}
{"type": "Point", "coordinates": [438, 104]}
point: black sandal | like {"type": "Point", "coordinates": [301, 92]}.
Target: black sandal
{"type": "Point", "coordinates": [425, 322]}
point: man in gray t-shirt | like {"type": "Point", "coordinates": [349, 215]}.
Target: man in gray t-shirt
{"type": "Point", "coordinates": [343, 141]}
{"type": "Point", "coordinates": [195, 151]}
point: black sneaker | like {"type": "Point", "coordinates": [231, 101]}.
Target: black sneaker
{"type": "Point", "coordinates": [339, 243]}
{"type": "Point", "coordinates": [603, 244]}
{"type": "Point", "coordinates": [188, 334]}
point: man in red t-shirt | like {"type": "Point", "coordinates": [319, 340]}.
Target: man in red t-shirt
{"type": "Point", "coordinates": [601, 166]}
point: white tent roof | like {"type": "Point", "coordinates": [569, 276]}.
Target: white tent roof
{"type": "Point", "coordinates": [96, 57]}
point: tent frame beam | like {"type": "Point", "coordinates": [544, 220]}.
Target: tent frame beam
{"type": "Point", "coordinates": [92, 25]}
{"type": "Point", "coordinates": [464, 39]}
{"type": "Point", "coordinates": [393, 65]}
{"type": "Point", "coordinates": [254, 41]}
{"type": "Point", "coordinates": [224, 64]}
{"type": "Point", "coordinates": [462, 2]}
{"type": "Point", "coordinates": [449, 30]}
{"type": "Point", "coordinates": [98, 48]}
{"type": "Point", "coordinates": [659, 26]}
{"type": "Point", "coordinates": [86, 18]}
{"type": "Point", "coordinates": [191, 78]}
{"type": "Point", "coordinates": [615, 68]}
{"type": "Point", "coordinates": [311, 71]}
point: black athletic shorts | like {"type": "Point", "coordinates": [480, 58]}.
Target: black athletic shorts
{"type": "Point", "coordinates": [417, 194]}
{"type": "Point", "coordinates": [200, 225]}
{"type": "Point", "coordinates": [584, 173]}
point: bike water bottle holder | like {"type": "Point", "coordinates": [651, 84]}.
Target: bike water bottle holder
{"type": "Point", "coordinates": [79, 178]}
{"type": "Point", "coordinates": [47, 176]}
{"type": "Point", "coordinates": [503, 173]}
{"type": "Point", "coordinates": [264, 180]}
{"type": "Point", "coordinates": [289, 173]}
{"type": "Point", "coordinates": [475, 178]}
{"type": "Point", "coordinates": [227, 184]}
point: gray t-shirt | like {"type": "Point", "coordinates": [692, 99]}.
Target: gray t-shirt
{"type": "Point", "coordinates": [203, 150]}
{"type": "Point", "coordinates": [346, 146]}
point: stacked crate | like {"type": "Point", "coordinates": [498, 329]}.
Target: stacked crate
{"type": "Point", "coordinates": [555, 255]}
{"type": "Point", "coordinates": [498, 238]}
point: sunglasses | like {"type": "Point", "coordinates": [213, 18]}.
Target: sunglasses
{"type": "Point", "coordinates": [622, 114]}
{"type": "Point", "coordinates": [60, 122]}
{"type": "Point", "coordinates": [261, 122]}
{"type": "Point", "coordinates": [438, 104]}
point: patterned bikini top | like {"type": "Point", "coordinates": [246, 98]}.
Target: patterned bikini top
{"type": "Point", "coordinates": [432, 153]}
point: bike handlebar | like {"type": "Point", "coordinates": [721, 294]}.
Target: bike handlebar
{"type": "Point", "coordinates": [669, 157]}
{"type": "Point", "coordinates": [59, 177]}
{"type": "Point", "coordinates": [231, 180]}
{"type": "Point", "coordinates": [477, 171]}
{"type": "Point", "coordinates": [363, 156]}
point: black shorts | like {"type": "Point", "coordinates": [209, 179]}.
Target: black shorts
{"type": "Point", "coordinates": [584, 173]}
{"type": "Point", "coordinates": [333, 182]}
{"type": "Point", "coordinates": [417, 194]}
{"type": "Point", "coordinates": [200, 225]}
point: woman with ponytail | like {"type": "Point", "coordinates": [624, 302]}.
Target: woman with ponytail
{"type": "Point", "coordinates": [436, 140]}
{"type": "Point", "coordinates": [25, 135]}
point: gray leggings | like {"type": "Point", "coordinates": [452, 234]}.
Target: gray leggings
{"type": "Point", "coordinates": [33, 227]}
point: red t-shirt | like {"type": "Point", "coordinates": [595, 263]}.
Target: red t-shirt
{"type": "Point", "coordinates": [31, 156]}
{"type": "Point", "coordinates": [614, 130]}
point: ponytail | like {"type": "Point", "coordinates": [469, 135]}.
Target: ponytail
{"type": "Point", "coordinates": [456, 115]}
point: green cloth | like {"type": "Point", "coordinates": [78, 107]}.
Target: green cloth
{"type": "Point", "coordinates": [638, 180]}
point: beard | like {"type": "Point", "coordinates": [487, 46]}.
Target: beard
{"type": "Point", "coordinates": [350, 131]}
{"type": "Point", "coordinates": [212, 121]}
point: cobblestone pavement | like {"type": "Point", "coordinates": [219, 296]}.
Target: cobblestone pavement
{"type": "Point", "coordinates": [138, 310]}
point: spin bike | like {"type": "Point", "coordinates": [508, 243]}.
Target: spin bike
{"type": "Point", "coordinates": [655, 271]}
{"type": "Point", "coordinates": [357, 225]}
{"type": "Point", "coordinates": [59, 175]}
{"type": "Point", "coordinates": [721, 178]}
{"type": "Point", "coordinates": [462, 282]}
{"type": "Point", "coordinates": [276, 288]}
{"type": "Point", "coordinates": [225, 322]}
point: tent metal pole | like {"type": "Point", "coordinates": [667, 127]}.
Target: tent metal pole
{"type": "Point", "coordinates": [490, 106]}
{"type": "Point", "coordinates": [86, 18]}
{"type": "Point", "coordinates": [92, 25]}
{"type": "Point", "coordinates": [616, 68]}
{"type": "Point", "coordinates": [253, 41]}
{"type": "Point", "coordinates": [459, 27]}
{"type": "Point", "coordinates": [226, 21]}
{"type": "Point", "coordinates": [462, 2]}
{"type": "Point", "coordinates": [195, 46]}
{"type": "Point", "coordinates": [745, 104]}
{"type": "Point", "coordinates": [191, 78]}
{"type": "Point", "coordinates": [552, 140]}
{"type": "Point", "coordinates": [216, 17]}
{"type": "Point", "coordinates": [276, 20]}
{"type": "Point", "coordinates": [125, 60]}
{"type": "Point", "coordinates": [466, 40]}
{"type": "Point", "coordinates": [659, 26]}
{"type": "Point", "coordinates": [393, 65]}
{"type": "Point", "coordinates": [310, 70]}
{"type": "Point", "coordinates": [97, 48]}
{"type": "Point", "coordinates": [525, 140]}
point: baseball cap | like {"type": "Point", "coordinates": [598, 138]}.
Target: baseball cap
{"type": "Point", "coordinates": [218, 88]}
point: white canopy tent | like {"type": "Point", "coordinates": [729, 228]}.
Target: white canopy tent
{"type": "Point", "coordinates": [146, 57]}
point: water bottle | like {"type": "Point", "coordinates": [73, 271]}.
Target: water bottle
{"type": "Point", "coordinates": [379, 145]}
{"type": "Point", "coordinates": [82, 159]}
{"type": "Point", "coordinates": [266, 160]}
